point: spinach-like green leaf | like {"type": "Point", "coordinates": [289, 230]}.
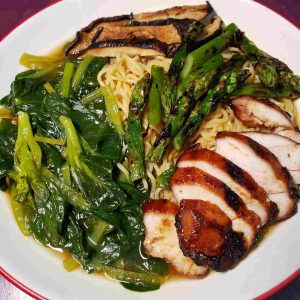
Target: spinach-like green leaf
{"type": "Point", "coordinates": [90, 81]}
{"type": "Point", "coordinates": [28, 94]}
{"type": "Point", "coordinates": [8, 135]}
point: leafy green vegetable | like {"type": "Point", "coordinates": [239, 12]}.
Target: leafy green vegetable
{"type": "Point", "coordinates": [163, 180]}
{"type": "Point", "coordinates": [91, 174]}
{"type": "Point", "coordinates": [8, 135]}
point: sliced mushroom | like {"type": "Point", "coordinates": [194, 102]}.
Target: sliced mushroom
{"type": "Point", "coordinates": [194, 12]}
{"type": "Point", "coordinates": [85, 37]}
{"type": "Point", "coordinates": [255, 112]}
{"type": "Point", "coordinates": [161, 237]}
{"type": "Point", "coordinates": [161, 39]}
{"type": "Point", "coordinates": [180, 16]}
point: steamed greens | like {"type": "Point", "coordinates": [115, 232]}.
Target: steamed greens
{"type": "Point", "coordinates": [58, 155]}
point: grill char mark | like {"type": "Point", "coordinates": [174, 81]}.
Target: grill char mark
{"type": "Point", "coordinates": [212, 241]}
{"type": "Point", "coordinates": [236, 174]}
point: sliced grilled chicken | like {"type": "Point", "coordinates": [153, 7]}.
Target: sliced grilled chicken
{"type": "Point", "coordinates": [291, 134]}
{"type": "Point", "coordinates": [205, 234]}
{"type": "Point", "coordinates": [161, 237]}
{"type": "Point", "coordinates": [262, 165]}
{"type": "Point", "coordinates": [296, 176]}
{"type": "Point", "coordinates": [286, 150]}
{"type": "Point", "coordinates": [255, 112]}
{"type": "Point", "coordinates": [195, 184]}
{"type": "Point", "coordinates": [179, 16]}
{"type": "Point", "coordinates": [253, 195]}
{"type": "Point", "coordinates": [268, 139]}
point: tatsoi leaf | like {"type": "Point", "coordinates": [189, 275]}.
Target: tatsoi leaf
{"type": "Point", "coordinates": [111, 146]}
{"type": "Point", "coordinates": [74, 240]}
{"type": "Point", "coordinates": [52, 159]}
{"type": "Point", "coordinates": [100, 190]}
{"type": "Point", "coordinates": [133, 227]}
{"type": "Point", "coordinates": [136, 260]}
{"type": "Point", "coordinates": [8, 135]}
{"type": "Point", "coordinates": [136, 195]}
{"type": "Point", "coordinates": [91, 126]}
{"type": "Point", "coordinates": [28, 95]}
{"type": "Point", "coordinates": [134, 280]}
{"type": "Point", "coordinates": [47, 221]}
{"type": "Point", "coordinates": [89, 81]}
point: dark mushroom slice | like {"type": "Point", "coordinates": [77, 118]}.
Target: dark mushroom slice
{"type": "Point", "coordinates": [86, 35]}
{"type": "Point", "coordinates": [162, 40]}
{"type": "Point", "coordinates": [195, 12]}
{"type": "Point", "coordinates": [132, 47]}
{"type": "Point", "coordinates": [176, 15]}
{"type": "Point", "coordinates": [205, 234]}
{"type": "Point", "coordinates": [161, 237]}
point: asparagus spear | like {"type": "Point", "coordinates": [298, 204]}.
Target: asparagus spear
{"type": "Point", "coordinates": [291, 80]}
{"type": "Point", "coordinates": [213, 63]}
{"type": "Point", "coordinates": [196, 58]}
{"type": "Point", "coordinates": [154, 105]}
{"type": "Point", "coordinates": [226, 85]}
{"type": "Point", "coordinates": [168, 95]}
{"type": "Point", "coordinates": [196, 35]}
{"type": "Point", "coordinates": [177, 63]}
{"type": "Point", "coordinates": [198, 88]}
{"type": "Point", "coordinates": [267, 73]}
{"type": "Point", "coordinates": [271, 71]}
{"type": "Point", "coordinates": [135, 130]}
{"type": "Point", "coordinates": [260, 91]}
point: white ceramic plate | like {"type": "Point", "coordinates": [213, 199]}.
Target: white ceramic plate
{"type": "Point", "coordinates": [276, 257]}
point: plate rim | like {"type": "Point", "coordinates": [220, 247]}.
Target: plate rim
{"type": "Point", "coordinates": [32, 293]}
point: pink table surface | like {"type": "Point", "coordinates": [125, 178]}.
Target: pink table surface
{"type": "Point", "coordinates": [13, 12]}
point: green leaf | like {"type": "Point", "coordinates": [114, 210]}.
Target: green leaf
{"type": "Point", "coordinates": [8, 135]}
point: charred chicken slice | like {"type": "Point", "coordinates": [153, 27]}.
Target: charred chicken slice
{"type": "Point", "coordinates": [161, 237]}
{"type": "Point", "coordinates": [253, 195]}
{"type": "Point", "coordinates": [206, 235]}
{"type": "Point", "coordinates": [291, 134]}
{"type": "Point", "coordinates": [255, 112]}
{"type": "Point", "coordinates": [286, 150]}
{"type": "Point", "coordinates": [193, 183]}
{"type": "Point", "coordinates": [262, 165]}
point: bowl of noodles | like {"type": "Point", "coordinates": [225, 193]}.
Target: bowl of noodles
{"type": "Point", "coordinates": [37, 269]}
